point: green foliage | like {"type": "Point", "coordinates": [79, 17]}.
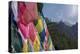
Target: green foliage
{"type": "Point", "coordinates": [60, 39]}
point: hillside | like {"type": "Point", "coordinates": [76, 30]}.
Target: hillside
{"type": "Point", "coordinates": [63, 36]}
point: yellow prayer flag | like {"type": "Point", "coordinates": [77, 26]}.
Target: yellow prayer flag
{"type": "Point", "coordinates": [39, 25]}
{"type": "Point", "coordinates": [36, 44]}
{"type": "Point", "coordinates": [25, 46]}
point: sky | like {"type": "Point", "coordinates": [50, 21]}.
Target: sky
{"type": "Point", "coordinates": [61, 12]}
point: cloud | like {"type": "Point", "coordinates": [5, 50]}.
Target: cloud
{"type": "Point", "coordinates": [61, 12]}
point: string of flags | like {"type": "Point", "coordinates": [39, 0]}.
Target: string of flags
{"type": "Point", "coordinates": [29, 31]}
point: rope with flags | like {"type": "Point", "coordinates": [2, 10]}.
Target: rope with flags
{"type": "Point", "coordinates": [31, 26]}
